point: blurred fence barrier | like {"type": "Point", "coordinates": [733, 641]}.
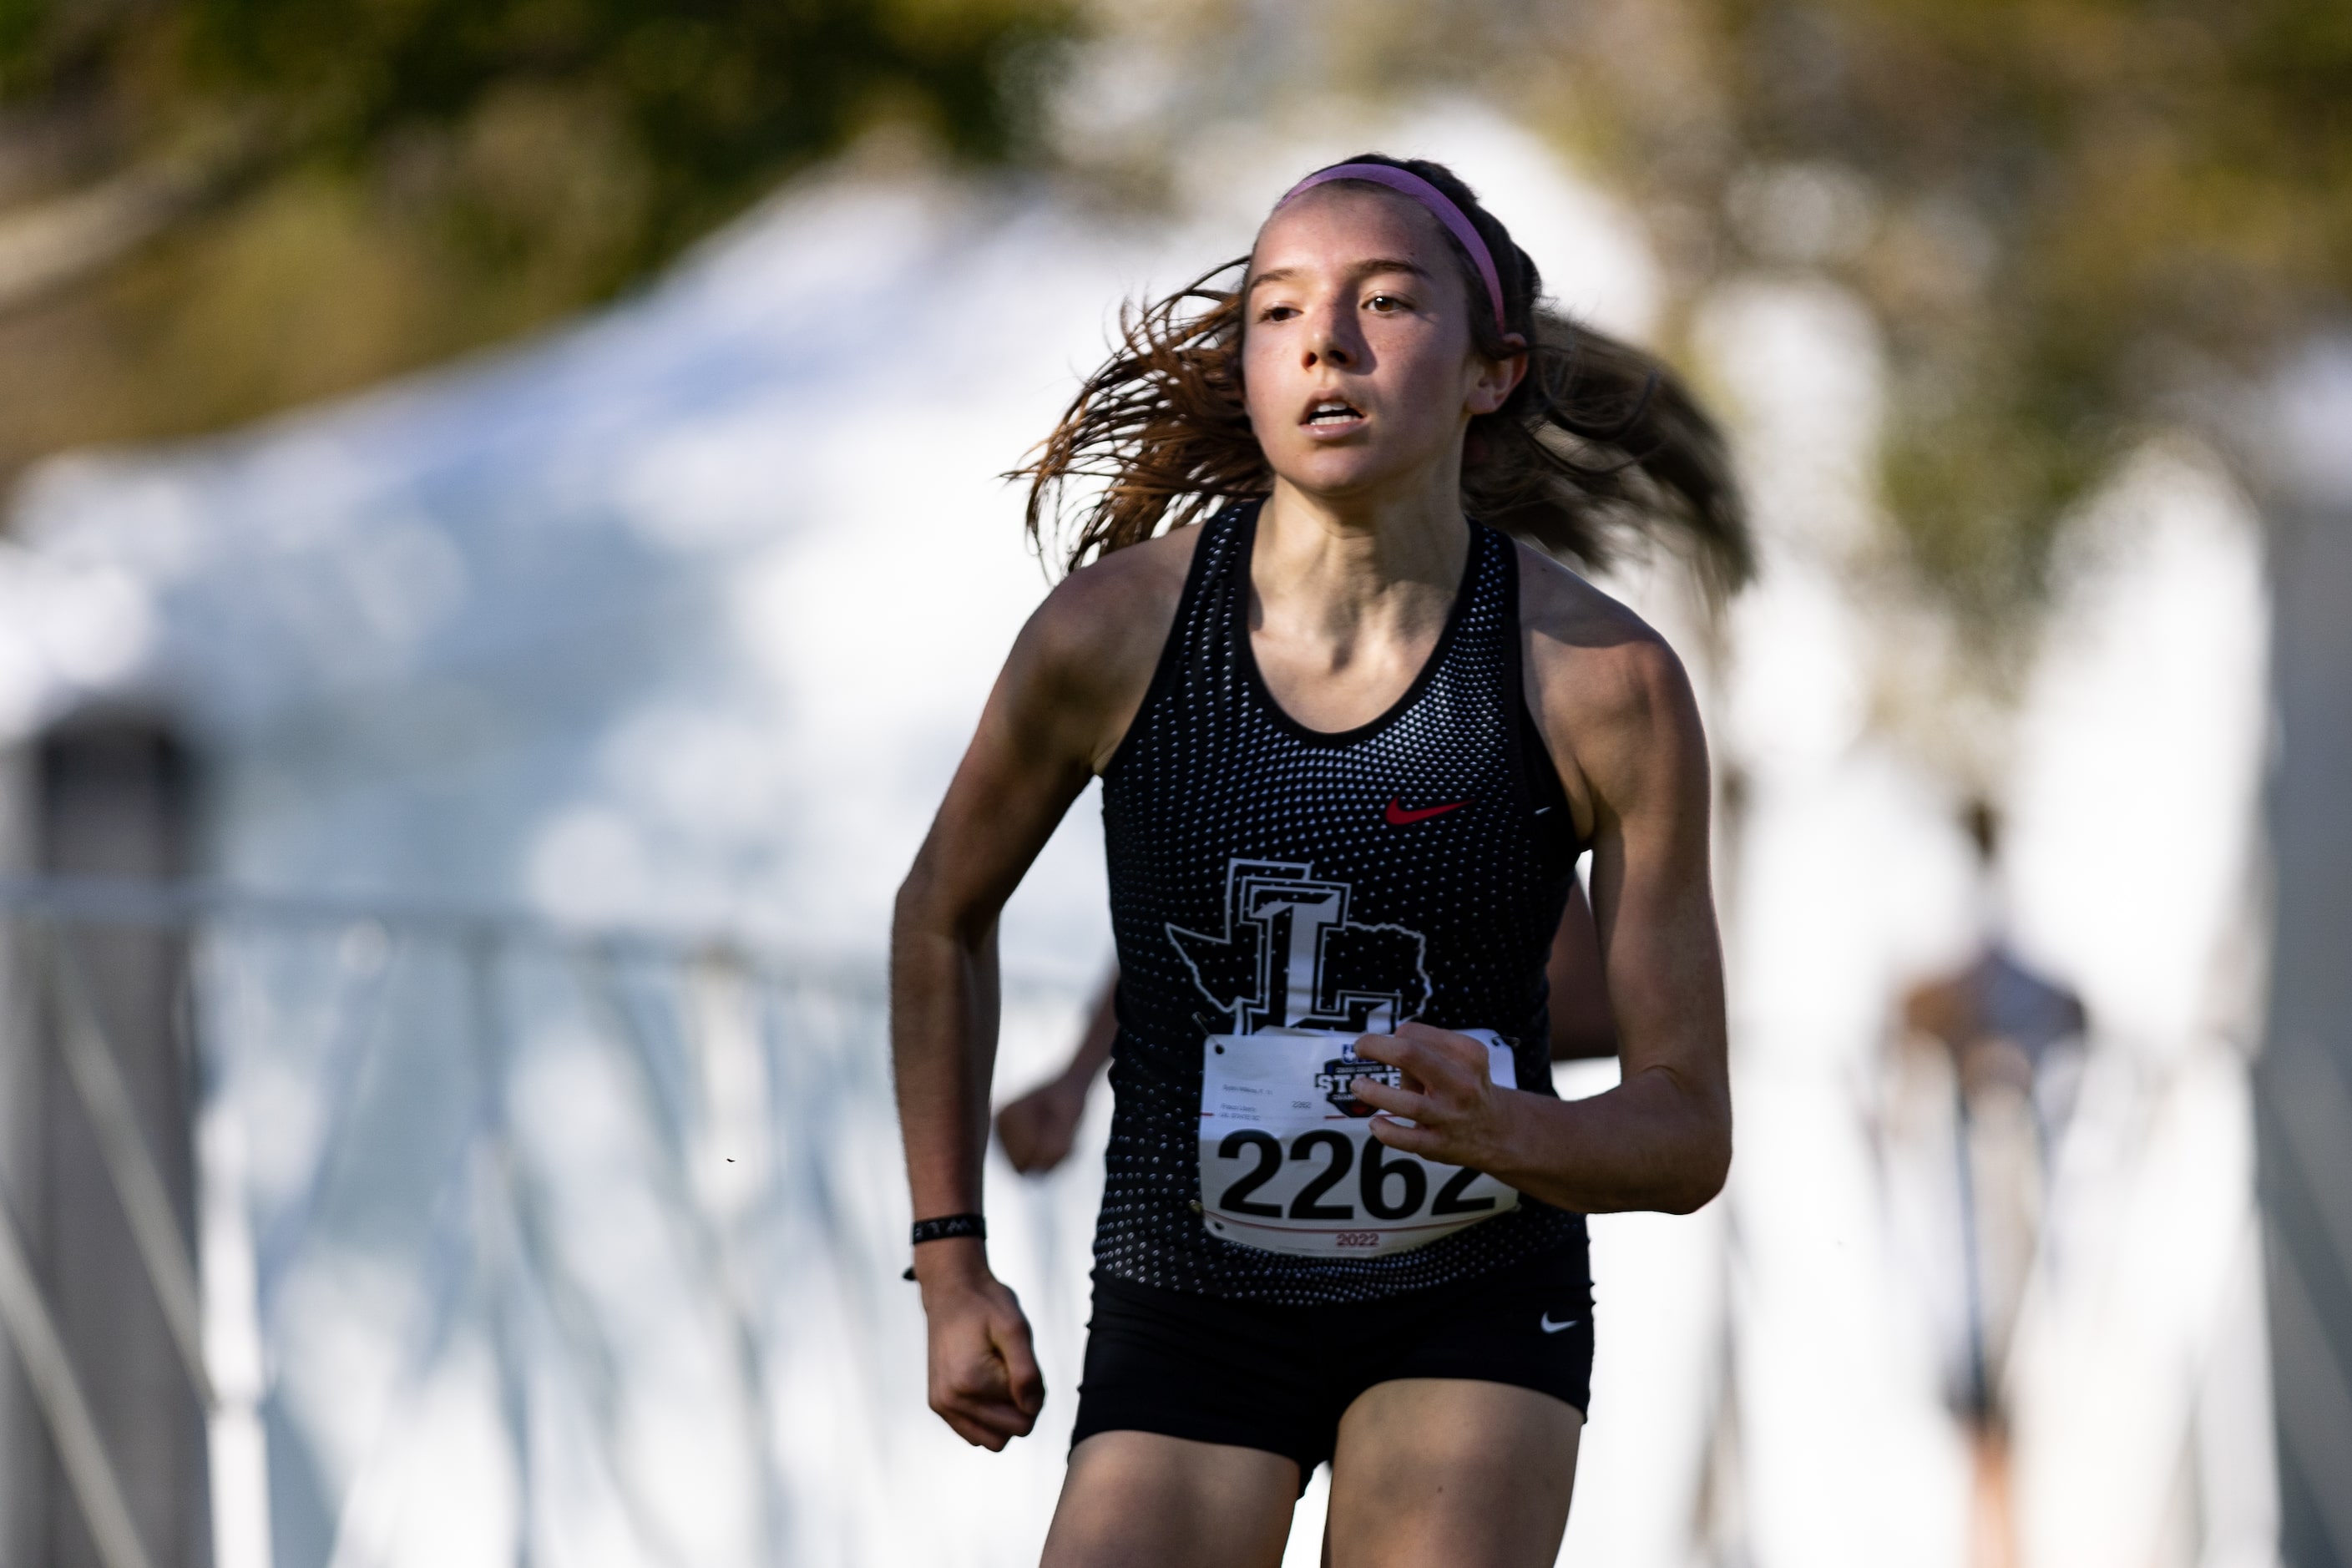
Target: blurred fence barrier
{"type": "Point", "coordinates": [491, 1222]}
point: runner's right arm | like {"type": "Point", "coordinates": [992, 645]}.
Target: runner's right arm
{"type": "Point", "coordinates": [1075, 676]}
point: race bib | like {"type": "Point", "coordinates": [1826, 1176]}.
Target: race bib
{"type": "Point", "coordinates": [1288, 1162]}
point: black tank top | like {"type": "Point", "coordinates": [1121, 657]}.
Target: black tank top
{"type": "Point", "coordinates": [1443, 829]}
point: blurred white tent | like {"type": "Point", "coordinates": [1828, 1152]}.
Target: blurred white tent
{"type": "Point", "coordinates": [672, 624]}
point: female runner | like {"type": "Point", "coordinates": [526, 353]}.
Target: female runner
{"type": "Point", "coordinates": [1351, 743]}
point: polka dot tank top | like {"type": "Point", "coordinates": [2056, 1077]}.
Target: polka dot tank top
{"type": "Point", "coordinates": [1430, 850]}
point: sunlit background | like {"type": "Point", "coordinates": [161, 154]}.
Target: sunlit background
{"type": "Point", "coordinates": [505, 543]}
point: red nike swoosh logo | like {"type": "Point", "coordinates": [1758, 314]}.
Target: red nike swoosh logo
{"type": "Point", "coordinates": [1399, 817]}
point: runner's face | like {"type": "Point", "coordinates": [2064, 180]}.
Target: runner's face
{"type": "Point", "coordinates": [1357, 354]}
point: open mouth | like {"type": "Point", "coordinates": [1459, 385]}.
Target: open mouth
{"type": "Point", "coordinates": [1332, 411]}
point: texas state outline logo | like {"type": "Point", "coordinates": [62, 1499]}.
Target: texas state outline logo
{"type": "Point", "coordinates": [1290, 956]}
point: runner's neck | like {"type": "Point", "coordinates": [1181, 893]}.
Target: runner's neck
{"type": "Point", "coordinates": [1347, 582]}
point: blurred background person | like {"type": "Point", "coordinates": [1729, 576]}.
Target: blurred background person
{"type": "Point", "coordinates": [1979, 1078]}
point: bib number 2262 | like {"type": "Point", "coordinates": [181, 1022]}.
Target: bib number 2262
{"type": "Point", "coordinates": [1288, 1162]}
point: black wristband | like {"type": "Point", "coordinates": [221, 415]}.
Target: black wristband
{"type": "Point", "coordinates": [950, 1225]}
{"type": "Point", "coordinates": [946, 1226]}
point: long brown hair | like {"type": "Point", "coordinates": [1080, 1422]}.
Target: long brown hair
{"type": "Point", "coordinates": [1598, 441]}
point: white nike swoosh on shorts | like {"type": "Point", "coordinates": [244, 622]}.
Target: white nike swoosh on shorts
{"type": "Point", "coordinates": [1551, 1328]}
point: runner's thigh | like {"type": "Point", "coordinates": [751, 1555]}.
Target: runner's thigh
{"type": "Point", "coordinates": [1451, 1473]}
{"type": "Point", "coordinates": [1138, 1499]}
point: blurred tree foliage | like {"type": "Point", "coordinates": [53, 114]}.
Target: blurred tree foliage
{"type": "Point", "coordinates": [2076, 221]}
{"type": "Point", "coordinates": [214, 208]}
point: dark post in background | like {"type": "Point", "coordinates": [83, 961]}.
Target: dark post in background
{"type": "Point", "coordinates": [101, 796]}
{"type": "Point", "coordinates": [2304, 1079]}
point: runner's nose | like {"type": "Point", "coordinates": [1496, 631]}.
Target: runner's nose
{"type": "Point", "coordinates": [1332, 344]}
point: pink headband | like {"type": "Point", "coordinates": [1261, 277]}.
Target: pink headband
{"type": "Point", "coordinates": [1406, 182]}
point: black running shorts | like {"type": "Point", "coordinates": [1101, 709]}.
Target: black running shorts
{"type": "Point", "coordinates": [1261, 1375]}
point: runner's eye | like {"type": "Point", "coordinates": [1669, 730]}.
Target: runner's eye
{"type": "Point", "coordinates": [1387, 304]}
{"type": "Point", "coordinates": [1277, 312]}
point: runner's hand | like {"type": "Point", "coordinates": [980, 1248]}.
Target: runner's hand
{"type": "Point", "coordinates": [1459, 1113]}
{"type": "Point", "coordinates": [1038, 1128]}
{"type": "Point", "coordinates": [983, 1374]}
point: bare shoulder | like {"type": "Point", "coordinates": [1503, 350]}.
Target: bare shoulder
{"type": "Point", "coordinates": [1609, 693]}
{"type": "Point", "coordinates": [1106, 614]}
{"type": "Point", "coordinates": [1095, 640]}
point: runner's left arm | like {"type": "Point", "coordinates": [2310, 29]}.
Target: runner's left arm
{"type": "Point", "coordinates": [1661, 1139]}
